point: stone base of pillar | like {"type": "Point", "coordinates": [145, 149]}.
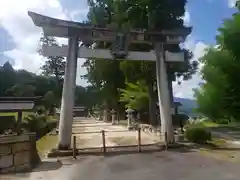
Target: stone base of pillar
{"type": "Point", "coordinates": [61, 147]}
{"type": "Point", "coordinates": [131, 128]}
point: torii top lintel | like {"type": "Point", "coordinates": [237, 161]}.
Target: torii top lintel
{"type": "Point", "coordinates": [62, 28]}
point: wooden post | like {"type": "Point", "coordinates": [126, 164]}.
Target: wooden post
{"type": "Point", "coordinates": [19, 122]}
{"type": "Point", "coordinates": [103, 141]}
{"type": "Point", "coordinates": [74, 148]}
{"type": "Point", "coordinates": [139, 140]}
{"type": "Point", "coordinates": [166, 141]}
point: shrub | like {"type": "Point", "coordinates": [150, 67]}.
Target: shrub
{"type": "Point", "coordinates": [34, 123]}
{"type": "Point", "coordinates": [38, 124]}
{"type": "Point", "coordinates": [40, 110]}
{"type": "Point", "coordinates": [198, 134]}
{"type": "Point", "coordinates": [51, 125]}
{"type": "Point", "coordinates": [223, 121]}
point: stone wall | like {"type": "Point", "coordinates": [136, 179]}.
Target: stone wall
{"type": "Point", "coordinates": [156, 131]}
{"type": "Point", "coordinates": [18, 153]}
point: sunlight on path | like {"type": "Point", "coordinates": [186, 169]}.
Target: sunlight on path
{"type": "Point", "coordinates": [115, 134]}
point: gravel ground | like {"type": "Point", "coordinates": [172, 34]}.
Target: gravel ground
{"type": "Point", "coordinates": [115, 134]}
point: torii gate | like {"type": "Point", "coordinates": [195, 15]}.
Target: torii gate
{"type": "Point", "coordinates": [76, 32]}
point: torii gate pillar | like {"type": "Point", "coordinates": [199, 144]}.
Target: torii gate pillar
{"type": "Point", "coordinates": [67, 104]}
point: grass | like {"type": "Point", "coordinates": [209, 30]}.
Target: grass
{"type": "Point", "coordinates": [14, 114]}
{"type": "Point", "coordinates": [210, 124]}
{"type": "Point", "coordinates": [220, 148]}
{"type": "Point", "coordinates": [46, 143]}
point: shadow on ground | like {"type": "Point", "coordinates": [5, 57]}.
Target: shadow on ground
{"type": "Point", "coordinates": [48, 166]}
{"type": "Point", "coordinates": [44, 166]}
{"type": "Point", "coordinates": [123, 150]}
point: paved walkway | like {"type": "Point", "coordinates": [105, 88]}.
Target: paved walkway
{"type": "Point", "coordinates": [88, 134]}
{"type": "Point", "coordinates": [180, 164]}
{"type": "Point", "coordinates": [152, 166]}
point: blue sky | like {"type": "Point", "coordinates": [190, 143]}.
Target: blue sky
{"type": "Point", "coordinates": [19, 37]}
{"type": "Point", "coordinates": [206, 16]}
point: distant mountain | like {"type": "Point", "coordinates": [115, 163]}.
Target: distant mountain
{"type": "Point", "coordinates": [188, 105]}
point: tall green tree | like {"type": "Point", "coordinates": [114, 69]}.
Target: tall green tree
{"type": "Point", "coordinates": [54, 65]}
{"type": "Point", "coordinates": [105, 75]}
{"type": "Point", "coordinates": [135, 95]}
{"type": "Point", "coordinates": [219, 97]}
{"type": "Point", "coordinates": [146, 14]}
{"type": "Point", "coordinates": [7, 78]}
{"type": "Point", "coordinates": [22, 83]}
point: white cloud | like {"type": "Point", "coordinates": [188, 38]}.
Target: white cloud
{"type": "Point", "coordinates": [74, 15]}
{"type": "Point", "coordinates": [186, 17]}
{"type": "Point", "coordinates": [29, 61]}
{"type": "Point", "coordinates": [185, 88]}
{"type": "Point", "coordinates": [25, 35]}
{"type": "Point", "coordinates": [231, 3]}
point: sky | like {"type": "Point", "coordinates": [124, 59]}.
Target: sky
{"type": "Point", "coordinates": [19, 37]}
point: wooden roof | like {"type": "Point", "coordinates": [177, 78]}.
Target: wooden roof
{"type": "Point", "coordinates": [19, 99]}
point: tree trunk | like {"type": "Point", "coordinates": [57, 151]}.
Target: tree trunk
{"type": "Point", "coordinates": [152, 106]}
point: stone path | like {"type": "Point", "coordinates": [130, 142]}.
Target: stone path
{"type": "Point", "coordinates": [165, 165]}
{"type": "Point", "coordinates": [88, 134]}
{"type": "Point", "coordinates": [181, 164]}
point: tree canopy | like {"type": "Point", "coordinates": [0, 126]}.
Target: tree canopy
{"type": "Point", "coordinates": [22, 83]}
{"type": "Point", "coordinates": [109, 76]}
{"type": "Point", "coordinates": [219, 96]}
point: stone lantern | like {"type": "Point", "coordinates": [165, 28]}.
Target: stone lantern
{"type": "Point", "coordinates": [105, 115]}
{"type": "Point", "coordinates": [113, 113]}
{"type": "Point", "coordinates": [129, 112]}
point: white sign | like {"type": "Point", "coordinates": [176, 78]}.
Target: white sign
{"type": "Point", "coordinates": [16, 105]}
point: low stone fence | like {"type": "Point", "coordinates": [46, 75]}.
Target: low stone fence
{"type": "Point", "coordinates": [18, 153]}
{"type": "Point", "coordinates": [150, 129]}
{"type": "Point", "coordinates": [156, 131]}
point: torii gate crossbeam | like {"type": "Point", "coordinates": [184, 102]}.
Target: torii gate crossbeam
{"type": "Point", "coordinates": [84, 52]}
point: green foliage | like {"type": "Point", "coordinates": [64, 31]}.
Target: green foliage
{"type": "Point", "coordinates": [22, 83]}
{"type": "Point", "coordinates": [135, 95]}
{"type": "Point", "coordinates": [53, 65]}
{"type": "Point", "coordinates": [40, 110]}
{"type": "Point", "coordinates": [109, 76]}
{"type": "Point", "coordinates": [49, 100]}
{"type": "Point", "coordinates": [7, 77]}
{"type": "Point", "coordinates": [22, 90]}
{"type": "Point", "coordinates": [219, 96]}
{"type": "Point", "coordinates": [38, 124]}
{"type": "Point", "coordinates": [223, 121]}
{"type": "Point", "coordinates": [34, 122]}
{"type": "Point", "coordinates": [197, 134]}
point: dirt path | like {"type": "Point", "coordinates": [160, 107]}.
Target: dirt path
{"type": "Point", "coordinates": [115, 134]}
